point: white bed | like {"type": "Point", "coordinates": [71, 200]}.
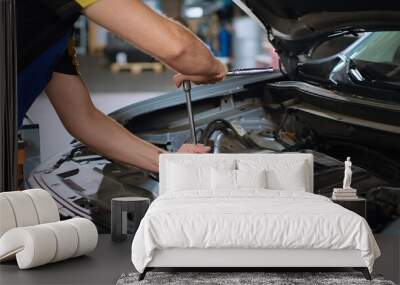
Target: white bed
{"type": "Point", "coordinates": [200, 220]}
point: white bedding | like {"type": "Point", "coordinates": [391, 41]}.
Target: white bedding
{"type": "Point", "coordinates": [256, 218]}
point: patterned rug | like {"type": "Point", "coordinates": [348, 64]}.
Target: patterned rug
{"type": "Point", "coordinates": [253, 278]}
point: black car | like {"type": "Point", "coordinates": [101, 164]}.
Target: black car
{"type": "Point", "coordinates": [337, 95]}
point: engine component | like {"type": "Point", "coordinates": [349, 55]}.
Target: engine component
{"type": "Point", "coordinates": [221, 130]}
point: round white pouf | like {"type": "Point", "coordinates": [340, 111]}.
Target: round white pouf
{"type": "Point", "coordinates": [87, 235]}
{"type": "Point", "coordinates": [46, 207]}
{"type": "Point", "coordinates": [40, 244]}
{"type": "Point", "coordinates": [33, 246]}
{"type": "Point", "coordinates": [7, 218]}
{"type": "Point", "coordinates": [23, 208]}
{"type": "Point", "coordinates": [67, 240]}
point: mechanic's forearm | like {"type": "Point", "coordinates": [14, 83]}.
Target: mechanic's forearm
{"type": "Point", "coordinates": [195, 58]}
{"type": "Point", "coordinates": [159, 36]}
{"type": "Point", "coordinates": [107, 137]}
{"type": "Point", "coordinates": [70, 98]}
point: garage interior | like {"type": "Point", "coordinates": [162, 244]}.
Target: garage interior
{"type": "Point", "coordinates": [276, 115]}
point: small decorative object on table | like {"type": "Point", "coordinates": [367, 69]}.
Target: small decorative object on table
{"type": "Point", "coordinates": [347, 192]}
{"type": "Point", "coordinates": [347, 196]}
{"type": "Point", "coordinates": [136, 207]}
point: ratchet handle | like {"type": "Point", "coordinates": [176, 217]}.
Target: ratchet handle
{"type": "Point", "coordinates": [187, 86]}
{"type": "Point", "coordinates": [249, 71]}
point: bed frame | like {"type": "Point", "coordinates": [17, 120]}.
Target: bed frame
{"type": "Point", "coordinates": [244, 258]}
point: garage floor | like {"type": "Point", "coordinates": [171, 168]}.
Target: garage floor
{"type": "Point", "coordinates": [96, 73]}
{"type": "Point", "coordinates": [109, 92]}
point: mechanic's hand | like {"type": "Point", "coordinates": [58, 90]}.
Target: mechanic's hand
{"type": "Point", "coordinates": [218, 75]}
{"type": "Point", "coordinates": [194, 148]}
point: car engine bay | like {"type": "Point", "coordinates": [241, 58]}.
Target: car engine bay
{"type": "Point", "coordinates": [280, 120]}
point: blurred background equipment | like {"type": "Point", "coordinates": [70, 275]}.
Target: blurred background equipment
{"type": "Point", "coordinates": [195, 9]}
{"type": "Point", "coordinates": [120, 54]}
{"type": "Point", "coordinates": [247, 42]}
{"type": "Point", "coordinates": [81, 35]}
{"type": "Point", "coordinates": [237, 40]}
{"type": "Point", "coordinates": [28, 150]}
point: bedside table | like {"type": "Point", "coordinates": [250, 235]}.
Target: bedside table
{"type": "Point", "coordinates": [358, 206]}
{"type": "Point", "coordinates": [124, 208]}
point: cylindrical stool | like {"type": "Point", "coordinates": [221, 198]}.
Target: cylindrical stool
{"type": "Point", "coordinates": [120, 208]}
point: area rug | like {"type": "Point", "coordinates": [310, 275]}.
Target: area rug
{"type": "Point", "coordinates": [253, 278]}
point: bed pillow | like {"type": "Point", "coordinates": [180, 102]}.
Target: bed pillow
{"type": "Point", "coordinates": [281, 174]}
{"type": "Point", "coordinates": [226, 179]}
{"type": "Point", "coordinates": [185, 175]}
{"type": "Point", "coordinates": [223, 179]}
{"type": "Point", "coordinates": [292, 179]}
{"type": "Point", "coordinates": [251, 178]}
{"type": "Point", "coordinates": [188, 177]}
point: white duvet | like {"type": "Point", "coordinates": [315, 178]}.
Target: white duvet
{"type": "Point", "coordinates": [250, 219]}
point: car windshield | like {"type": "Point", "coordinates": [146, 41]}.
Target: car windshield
{"type": "Point", "coordinates": [377, 57]}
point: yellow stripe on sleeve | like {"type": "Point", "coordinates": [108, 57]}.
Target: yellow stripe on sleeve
{"type": "Point", "coordinates": [85, 3]}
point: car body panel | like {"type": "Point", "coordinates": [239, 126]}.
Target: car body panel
{"type": "Point", "coordinates": [296, 26]}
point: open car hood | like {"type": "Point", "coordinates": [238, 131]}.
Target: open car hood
{"type": "Point", "coordinates": [294, 27]}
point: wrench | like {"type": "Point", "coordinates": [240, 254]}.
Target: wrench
{"type": "Point", "coordinates": [187, 88]}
